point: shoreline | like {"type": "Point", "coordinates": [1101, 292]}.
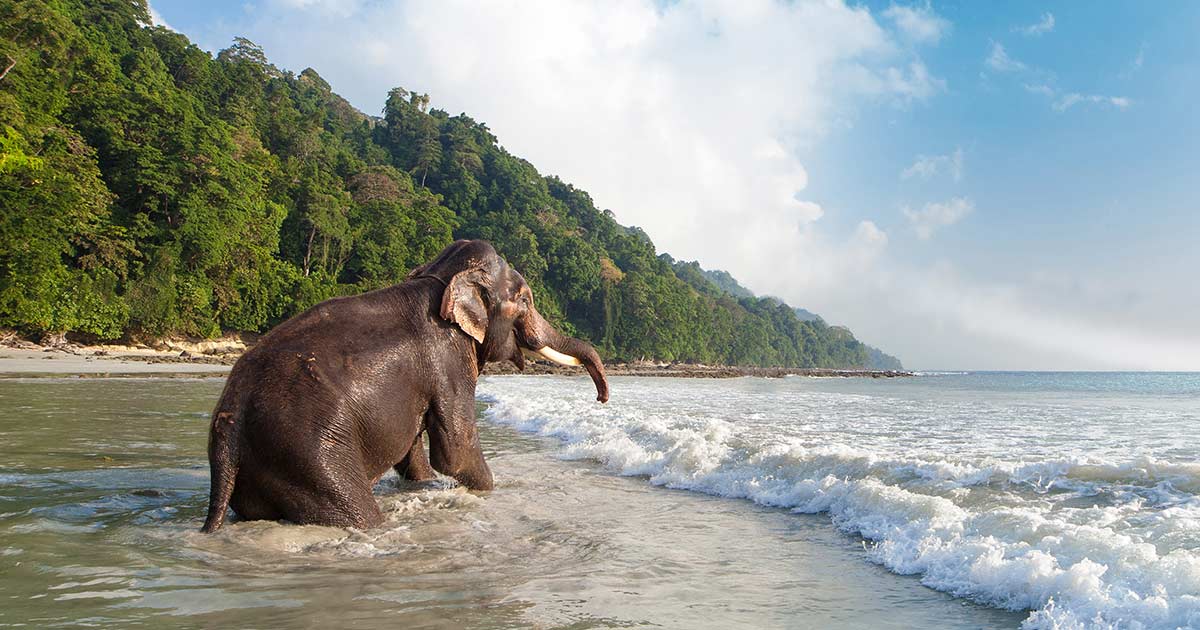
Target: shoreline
{"type": "Point", "coordinates": [92, 363]}
{"type": "Point", "coordinates": [686, 370]}
{"type": "Point", "coordinates": [21, 359]}
{"type": "Point", "coordinates": [172, 358]}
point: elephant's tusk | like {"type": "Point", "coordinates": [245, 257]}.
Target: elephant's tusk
{"type": "Point", "coordinates": [558, 357]}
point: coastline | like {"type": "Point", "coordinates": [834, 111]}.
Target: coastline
{"type": "Point", "coordinates": [687, 370]}
{"type": "Point", "coordinates": [99, 363]}
{"type": "Point", "coordinates": [21, 358]}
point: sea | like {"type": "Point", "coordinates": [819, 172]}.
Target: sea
{"type": "Point", "coordinates": [942, 500]}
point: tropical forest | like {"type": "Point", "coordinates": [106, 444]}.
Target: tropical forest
{"type": "Point", "coordinates": [149, 188]}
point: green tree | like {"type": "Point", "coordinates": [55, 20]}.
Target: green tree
{"type": "Point", "coordinates": [149, 187]}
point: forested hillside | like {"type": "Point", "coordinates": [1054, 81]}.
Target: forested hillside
{"type": "Point", "coordinates": [880, 360]}
{"type": "Point", "coordinates": [148, 188]}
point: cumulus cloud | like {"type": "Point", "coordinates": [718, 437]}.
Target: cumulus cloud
{"type": "Point", "coordinates": [927, 166]}
{"type": "Point", "coordinates": [918, 23]}
{"type": "Point", "coordinates": [934, 216]}
{"type": "Point", "coordinates": [807, 211]}
{"type": "Point", "coordinates": [999, 60]}
{"type": "Point", "coordinates": [1041, 27]}
{"type": "Point", "coordinates": [870, 235]}
{"type": "Point", "coordinates": [867, 244]}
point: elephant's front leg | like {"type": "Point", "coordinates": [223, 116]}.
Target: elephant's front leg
{"type": "Point", "coordinates": [454, 447]}
{"type": "Point", "coordinates": [415, 466]}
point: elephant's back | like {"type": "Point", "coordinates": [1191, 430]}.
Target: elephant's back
{"type": "Point", "coordinates": [319, 380]}
{"type": "Point", "coordinates": [352, 371]}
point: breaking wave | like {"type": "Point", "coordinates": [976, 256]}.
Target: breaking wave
{"type": "Point", "coordinates": [1079, 541]}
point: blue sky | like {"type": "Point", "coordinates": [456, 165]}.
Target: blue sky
{"type": "Point", "coordinates": [967, 185]}
{"type": "Point", "coordinates": [1048, 177]}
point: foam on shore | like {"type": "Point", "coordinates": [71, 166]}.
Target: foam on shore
{"type": "Point", "coordinates": [1080, 541]}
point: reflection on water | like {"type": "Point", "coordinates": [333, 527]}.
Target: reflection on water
{"type": "Point", "coordinates": [103, 485]}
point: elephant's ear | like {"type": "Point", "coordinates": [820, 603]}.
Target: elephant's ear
{"type": "Point", "coordinates": [463, 304]}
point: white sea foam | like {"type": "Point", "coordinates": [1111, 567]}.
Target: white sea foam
{"type": "Point", "coordinates": [404, 510]}
{"type": "Point", "coordinates": [1082, 540]}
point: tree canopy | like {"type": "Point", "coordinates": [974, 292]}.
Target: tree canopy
{"type": "Point", "coordinates": [148, 187]}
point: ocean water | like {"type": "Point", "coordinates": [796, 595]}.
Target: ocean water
{"type": "Point", "coordinates": [941, 501]}
{"type": "Point", "coordinates": [1073, 498]}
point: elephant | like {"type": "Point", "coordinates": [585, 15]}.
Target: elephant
{"type": "Point", "coordinates": [330, 400]}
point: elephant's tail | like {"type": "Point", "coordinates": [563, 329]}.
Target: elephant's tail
{"type": "Point", "coordinates": [223, 450]}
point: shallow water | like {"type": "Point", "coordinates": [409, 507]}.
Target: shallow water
{"type": "Point", "coordinates": [103, 484]}
{"type": "Point", "coordinates": [1075, 497]}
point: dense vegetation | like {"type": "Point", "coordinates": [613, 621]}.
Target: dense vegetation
{"type": "Point", "coordinates": [879, 360]}
{"type": "Point", "coordinates": [148, 188]}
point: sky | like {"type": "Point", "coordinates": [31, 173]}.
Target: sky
{"type": "Point", "coordinates": [965, 185]}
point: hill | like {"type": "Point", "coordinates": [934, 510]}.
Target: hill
{"type": "Point", "coordinates": [879, 360]}
{"type": "Point", "coordinates": [150, 188]}
{"type": "Point", "coordinates": [876, 359]}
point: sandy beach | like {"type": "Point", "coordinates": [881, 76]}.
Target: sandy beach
{"type": "Point", "coordinates": [26, 362]}
{"type": "Point", "coordinates": [215, 357]}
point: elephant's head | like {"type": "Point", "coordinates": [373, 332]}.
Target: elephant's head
{"type": "Point", "coordinates": [491, 302]}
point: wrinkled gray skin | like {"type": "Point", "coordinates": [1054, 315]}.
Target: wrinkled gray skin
{"type": "Point", "coordinates": [330, 400]}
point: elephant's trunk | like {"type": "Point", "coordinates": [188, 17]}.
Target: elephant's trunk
{"type": "Point", "coordinates": [565, 350]}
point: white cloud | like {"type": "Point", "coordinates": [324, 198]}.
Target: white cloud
{"type": "Point", "coordinates": [1135, 66]}
{"type": "Point", "coordinates": [869, 234]}
{"type": "Point", "coordinates": [914, 85]}
{"type": "Point", "coordinates": [999, 60]}
{"type": "Point", "coordinates": [1063, 101]}
{"type": "Point", "coordinates": [867, 243]}
{"type": "Point", "coordinates": [339, 8]}
{"type": "Point", "coordinates": [1069, 100]}
{"type": "Point", "coordinates": [807, 211]}
{"type": "Point", "coordinates": [935, 216]}
{"type": "Point", "coordinates": [1041, 27]}
{"type": "Point", "coordinates": [927, 166]}
{"type": "Point", "coordinates": [1040, 88]}
{"type": "Point", "coordinates": [918, 22]}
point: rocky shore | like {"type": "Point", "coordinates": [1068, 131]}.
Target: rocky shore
{"type": "Point", "coordinates": [213, 357]}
